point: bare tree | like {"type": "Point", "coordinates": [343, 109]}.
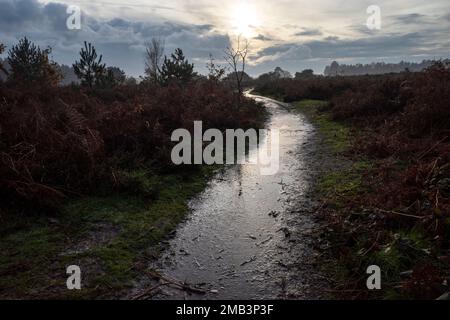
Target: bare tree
{"type": "Point", "coordinates": [153, 59]}
{"type": "Point", "coordinates": [236, 57]}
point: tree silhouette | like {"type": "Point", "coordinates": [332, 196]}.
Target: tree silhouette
{"type": "Point", "coordinates": [215, 71]}
{"type": "Point", "coordinates": [153, 59]}
{"type": "Point", "coordinates": [89, 69]}
{"type": "Point", "coordinates": [177, 69]}
{"type": "Point", "coordinates": [30, 64]}
{"type": "Point", "coordinates": [305, 74]}
{"type": "Point", "coordinates": [2, 68]}
{"type": "Point", "coordinates": [336, 69]}
{"type": "Point", "coordinates": [112, 77]}
{"type": "Point", "coordinates": [237, 59]}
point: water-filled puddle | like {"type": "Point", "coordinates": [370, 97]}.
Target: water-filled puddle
{"type": "Point", "coordinates": [239, 241]}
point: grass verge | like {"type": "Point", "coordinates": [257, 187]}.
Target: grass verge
{"type": "Point", "coordinates": [336, 135]}
{"type": "Point", "coordinates": [110, 238]}
{"type": "Point", "coordinates": [357, 236]}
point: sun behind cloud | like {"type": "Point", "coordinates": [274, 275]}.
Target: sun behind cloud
{"type": "Point", "coordinates": [244, 19]}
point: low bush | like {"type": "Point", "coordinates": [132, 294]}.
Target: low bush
{"type": "Point", "coordinates": [394, 213]}
{"type": "Point", "coordinates": [66, 141]}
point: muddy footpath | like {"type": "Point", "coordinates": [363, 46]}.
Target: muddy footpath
{"type": "Point", "coordinates": [250, 236]}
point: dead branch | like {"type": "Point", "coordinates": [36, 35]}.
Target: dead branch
{"type": "Point", "coordinates": [149, 293]}
{"type": "Point", "coordinates": [400, 214]}
{"type": "Point", "coordinates": [180, 285]}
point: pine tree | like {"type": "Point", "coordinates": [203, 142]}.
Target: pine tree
{"type": "Point", "coordinates": [112, 77]}
{"type": "Point", "coordinates": [29, 64]}
{"type": "Point", "coordinates": [177, 69]}
{"type": "Point", "coordinates": [89, 69]}
{"type": "Point", "coordinates": [2, 68]}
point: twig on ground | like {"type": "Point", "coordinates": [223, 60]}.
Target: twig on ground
{"type": "Point", "coordinates": [149, 293]}
{"type": "Point", "coordinates": [180, 285]}
{"type": "Point", "coordinates": [400, 214]}
{"type": "Point", "coordinates": [248, 261]}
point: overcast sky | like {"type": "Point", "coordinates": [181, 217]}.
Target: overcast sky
{"type": "Point", "coordinates": [292, 34]}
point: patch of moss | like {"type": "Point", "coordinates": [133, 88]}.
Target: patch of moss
{"type": "Point", "coordinates": [406, 249]}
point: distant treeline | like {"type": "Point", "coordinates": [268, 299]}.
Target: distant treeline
{"type": "Point", "coordinates": [336, 69]}
{"type": "Point", "coordinates": [69, 77]}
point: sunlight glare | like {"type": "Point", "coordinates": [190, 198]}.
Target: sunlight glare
{"type": "Point", "coordinates": [244, 18]}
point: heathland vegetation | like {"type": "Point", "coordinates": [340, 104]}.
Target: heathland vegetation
{"type": "Point", "coordinates": [60, 141]}
{"type": "Point", "coordinates": [391, 206]}
{"type": "Point", "coordinates": [86, 174]}
{"type": "Point", "coordinates": [92, 160]}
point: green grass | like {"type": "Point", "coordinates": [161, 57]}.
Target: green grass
{"type": "Point", "coordinates": [120, 232]}
{"type": "Point", "coordinates": [335, 184]}
{"type": "Point", "coordinates": [336, 134]}
{"type": "Point", "coordinates": [403, 248]}
{"type": "Point", "coordinates": [338, 185]}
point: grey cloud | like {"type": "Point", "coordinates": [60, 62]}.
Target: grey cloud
{"type": "Point", "coordinates": [198, 47]}
{"type": "Point", "coordinates": [262, 37]}
{"type": "Point", "coordinates": [280, 48]}
{"type": "Point", "coordinates": [377, 46]}
{"type": "Point", "coordinates": [286, 52]}
{"type": "Point", "coordinates": [410, 18]}
{"type": "Point", "coordinates": [309, 32]}
{"type": "Point", "coordinates": [121, 41]}
{"type": "Point", "coordinates": [331, 38]}
{"type": "Point", "coordinates": [317, 53]}
{"type": "Point", "coordinates": [15, 13]}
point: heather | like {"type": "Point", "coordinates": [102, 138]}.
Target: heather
{"type": "Point", "coordinates": [389, 205]}
{"type": "Point", "coordinates": [60, 142]}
